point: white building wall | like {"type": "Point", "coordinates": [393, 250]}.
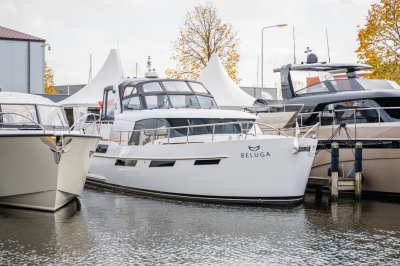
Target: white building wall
{"type": "Point", "coordinates": [22, 66]}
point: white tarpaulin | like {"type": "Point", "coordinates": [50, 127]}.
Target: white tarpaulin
{"type": "Point", "coordinates": [222, 87]}
{"type": "Point", "coordinates": [92, 93]}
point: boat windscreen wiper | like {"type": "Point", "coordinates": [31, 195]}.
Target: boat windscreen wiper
{"type": "Point", "coordinates": [163, 104]}
{"type": "Point", "coordinates": [189, 104]}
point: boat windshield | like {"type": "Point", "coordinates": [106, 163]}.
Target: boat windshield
{"type": "Point", "coordinates": [167, 94]}
{"type": "Point", "coordinates": [17, 115]}
{"type": "Point", "coordinates": [348, 85]}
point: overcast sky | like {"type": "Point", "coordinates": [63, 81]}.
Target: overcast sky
{"type": "Point", "coordinates": [76, 29]}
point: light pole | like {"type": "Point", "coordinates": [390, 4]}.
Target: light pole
{"type": "Point", "coordinates": [262, 52]}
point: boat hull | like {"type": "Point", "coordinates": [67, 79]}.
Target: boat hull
{"type": "Point", "coordinates": [37, 177]}
{"type": "Point", "coordinates": [262, 170]}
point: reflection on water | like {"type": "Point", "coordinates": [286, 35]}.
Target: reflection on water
{"type": "Point", "coordinates": [117, 229]}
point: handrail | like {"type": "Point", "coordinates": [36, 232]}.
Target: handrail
{"type": "Point", "coordinates": [166, 131]}
{"type": "Point", "coordinates": [354, 110]}
{"type": "Point", "coordinates": [33, 121]}
{"type": "Point", "coordinates": [82, 121]}
{"type": "Point", "coordinates": [316, 125]}
{"type": "Point", "coordinates": [267, 107]}
{"type": "Point", "coordinates": [274, 128]}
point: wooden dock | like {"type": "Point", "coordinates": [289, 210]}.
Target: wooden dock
{"type": "Point", "coordinates": [336, 184]}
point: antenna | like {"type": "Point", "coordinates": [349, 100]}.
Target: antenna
{"type": "Point", "coordinates": [308, 50]}
{"type": "Point", "coordinates": [120, 63]}
{"type": "Point", "coordinates": [149, 63]}
{"type": "Point", "coordinates": [90, 69]}
{"type": "Point", "coordinates": [327, 44]}
{"type": "Point", "coordinates": [294, 47]}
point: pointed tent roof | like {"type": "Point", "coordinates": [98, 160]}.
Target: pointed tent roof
{"type": "Point", "coordinates": [221, 86]}
{"type": "Point", "coordinates": [92, 93]}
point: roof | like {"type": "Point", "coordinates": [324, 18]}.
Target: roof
{"type": "Point", "coordinates": [10, 34]}
{"type": "Point", "coordinates": [24, 98]}
{"type": "Point", "coordinates": [221, 86]}
{"type": "Point", "coordinates": [327, 67]}
{"type": "Point", "coordinates": [92, 93]}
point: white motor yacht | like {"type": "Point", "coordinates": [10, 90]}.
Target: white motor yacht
{"type": "Point", "coordinates": [43, 162]}
{"type": "Point", "coordinates": [168, 138]}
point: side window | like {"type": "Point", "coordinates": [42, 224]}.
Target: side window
{"type": "Point", "coordinates": [140, 136]}
{"type": "Point", "coordinates": [108, 105]}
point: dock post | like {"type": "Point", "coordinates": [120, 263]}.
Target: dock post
{"type": "Point", "coordinates": [334, 170]}
{"type": "Point", "coordinates": [358, 170]}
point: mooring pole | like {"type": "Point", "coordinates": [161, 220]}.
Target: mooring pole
{"type": "Point", "coordinates": [334, 170]}
{"type": "Point", "coordinates": [358, 170]}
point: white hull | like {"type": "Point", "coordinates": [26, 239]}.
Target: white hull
{"type": "Point", "coordinates": [30, 175]}
{"type": "Point", "coordinates": [271, 173]}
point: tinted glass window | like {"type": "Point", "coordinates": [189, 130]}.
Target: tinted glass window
{"type": "Point", "coordinates": [316, 88]}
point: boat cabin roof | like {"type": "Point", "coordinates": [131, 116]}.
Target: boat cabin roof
{"type": "Point", "coordinates": [328, 67]}
{"type": "Point", "coordinates": [24, 98]}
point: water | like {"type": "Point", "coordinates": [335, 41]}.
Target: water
{"type": "Point", "coordinates": [104, 228]}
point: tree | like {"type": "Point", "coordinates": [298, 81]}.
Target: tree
{"type": "Point", "coordinates": [48, 80]}
{"type": "Point", "coordinates": [380, 40]}
{"type": "Point", "coordinates": [204, 34]}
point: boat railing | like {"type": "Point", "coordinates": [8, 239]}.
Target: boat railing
{"type": "Point", "coordinates": [352, 120]}
{"type": "Point", "coordinates": [21, 125]}
{"type": "Point", "coordinates": [272, 108]}
{"type": "Point", "coordinates": [246, 128]}
{"type": "Point", "coordinates": [88, 123]}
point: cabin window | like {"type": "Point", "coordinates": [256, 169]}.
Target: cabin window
{"type": "Point", "coordinates": [162, 163]}
{"type": "Point", "coordinates": [176, 86]}
{"type": "Point", "coordinates": [207, 102]}
{"type": "Point", "coordinates": [141, 137]}
{"type": "Point", "coordinates": [197, 87]}
{"type": "Point", "coordinates": [184, 101]}
{"type": "Point", "coordinates": [129, 90]}
{"type": "Point", "coordinates": [157, 101]}
{"type": "Point", "coordinates": [152, 87]}
{"type": "Point", "coordinates": [350, 112]}
{"type": "Point", "coordinates": [132, 103]}
{"type": "Point", "coordinates": [316, 88]}
{"type": "Point", "coordinates": [108, 105]}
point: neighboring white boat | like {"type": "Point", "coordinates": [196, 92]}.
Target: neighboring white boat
{"type": "Point", "coordinates": [43, 163]}
{"type": "Point", "coordinates": [168, 138]}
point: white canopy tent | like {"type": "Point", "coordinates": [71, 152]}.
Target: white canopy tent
{"type": "Point", "coordinates": [92, 94]}
{"type": "Point", "coordinates": [225, 91]}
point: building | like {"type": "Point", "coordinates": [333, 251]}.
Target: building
{"type": "Point", "coordinates": [21, 62]}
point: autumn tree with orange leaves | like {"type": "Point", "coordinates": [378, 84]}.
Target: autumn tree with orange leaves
{"type": "Point", "coordinates": [202, 35]}
{"type": "Point", "coordinates": [380, 40]}
{"type": "Point", "coordinates": [48, 80]}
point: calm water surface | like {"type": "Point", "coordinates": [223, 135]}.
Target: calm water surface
{"type": "Point", "coordinates": [105, 228]}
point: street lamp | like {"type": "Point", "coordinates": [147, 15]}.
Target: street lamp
{"type": "Point", "coordinates": [262, 49]}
